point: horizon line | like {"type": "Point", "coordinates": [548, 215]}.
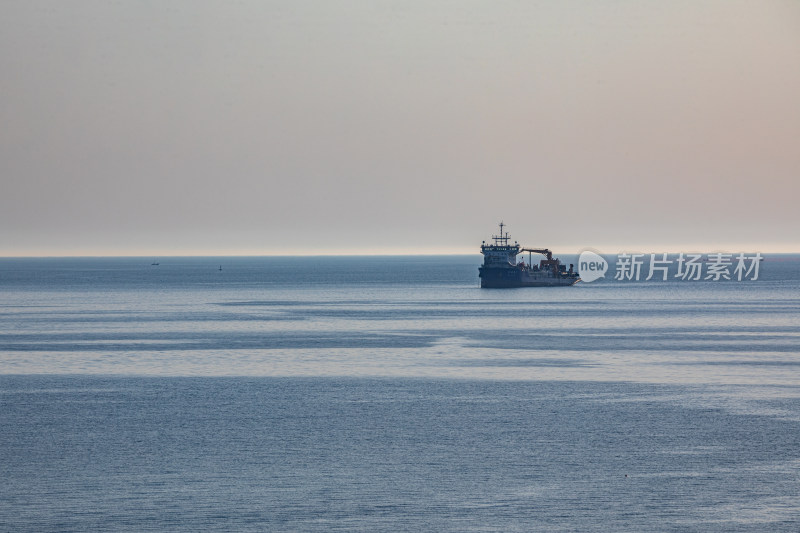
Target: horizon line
{"type": "Point", "coordinates": [379, 254]}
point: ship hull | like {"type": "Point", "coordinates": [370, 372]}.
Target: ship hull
{"type": "Point", "coordinates": [506, 278]}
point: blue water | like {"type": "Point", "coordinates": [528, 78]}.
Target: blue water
{"type": "Point", "coordinates": [391, 394]}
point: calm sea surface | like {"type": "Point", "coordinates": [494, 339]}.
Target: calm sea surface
{"type": "Point", "coordinates": [392, 394]}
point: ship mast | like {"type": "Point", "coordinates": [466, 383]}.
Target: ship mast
{"type": "Point", "coordinates": [503, 238]}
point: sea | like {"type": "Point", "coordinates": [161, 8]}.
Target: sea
{"type": "Point", "coordinates": [393, 394]}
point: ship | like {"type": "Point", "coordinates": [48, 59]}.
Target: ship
{"type": "Point", "coordinates": [500, 268]}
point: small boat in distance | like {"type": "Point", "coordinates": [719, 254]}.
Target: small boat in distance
{"type": "Point", "coordinates": [154, 263]}
{"type": "Point", "coordinates": [500, 268]}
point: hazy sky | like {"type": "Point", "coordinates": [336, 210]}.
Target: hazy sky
{"type": "Point", "coordinates": [258, 127]}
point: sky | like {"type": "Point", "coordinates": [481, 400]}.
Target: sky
{"type": "Point", "coordinates": [195, 127]}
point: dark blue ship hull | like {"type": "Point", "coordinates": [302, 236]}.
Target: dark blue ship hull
{"type": "Point", "coordinates": [504, 278]}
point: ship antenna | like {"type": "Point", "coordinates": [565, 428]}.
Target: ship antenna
{"type": "Point", "coordinates": [502, 239]}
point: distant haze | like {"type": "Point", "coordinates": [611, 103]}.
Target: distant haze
{"type": "Point", "coordinates": [261, 127]}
